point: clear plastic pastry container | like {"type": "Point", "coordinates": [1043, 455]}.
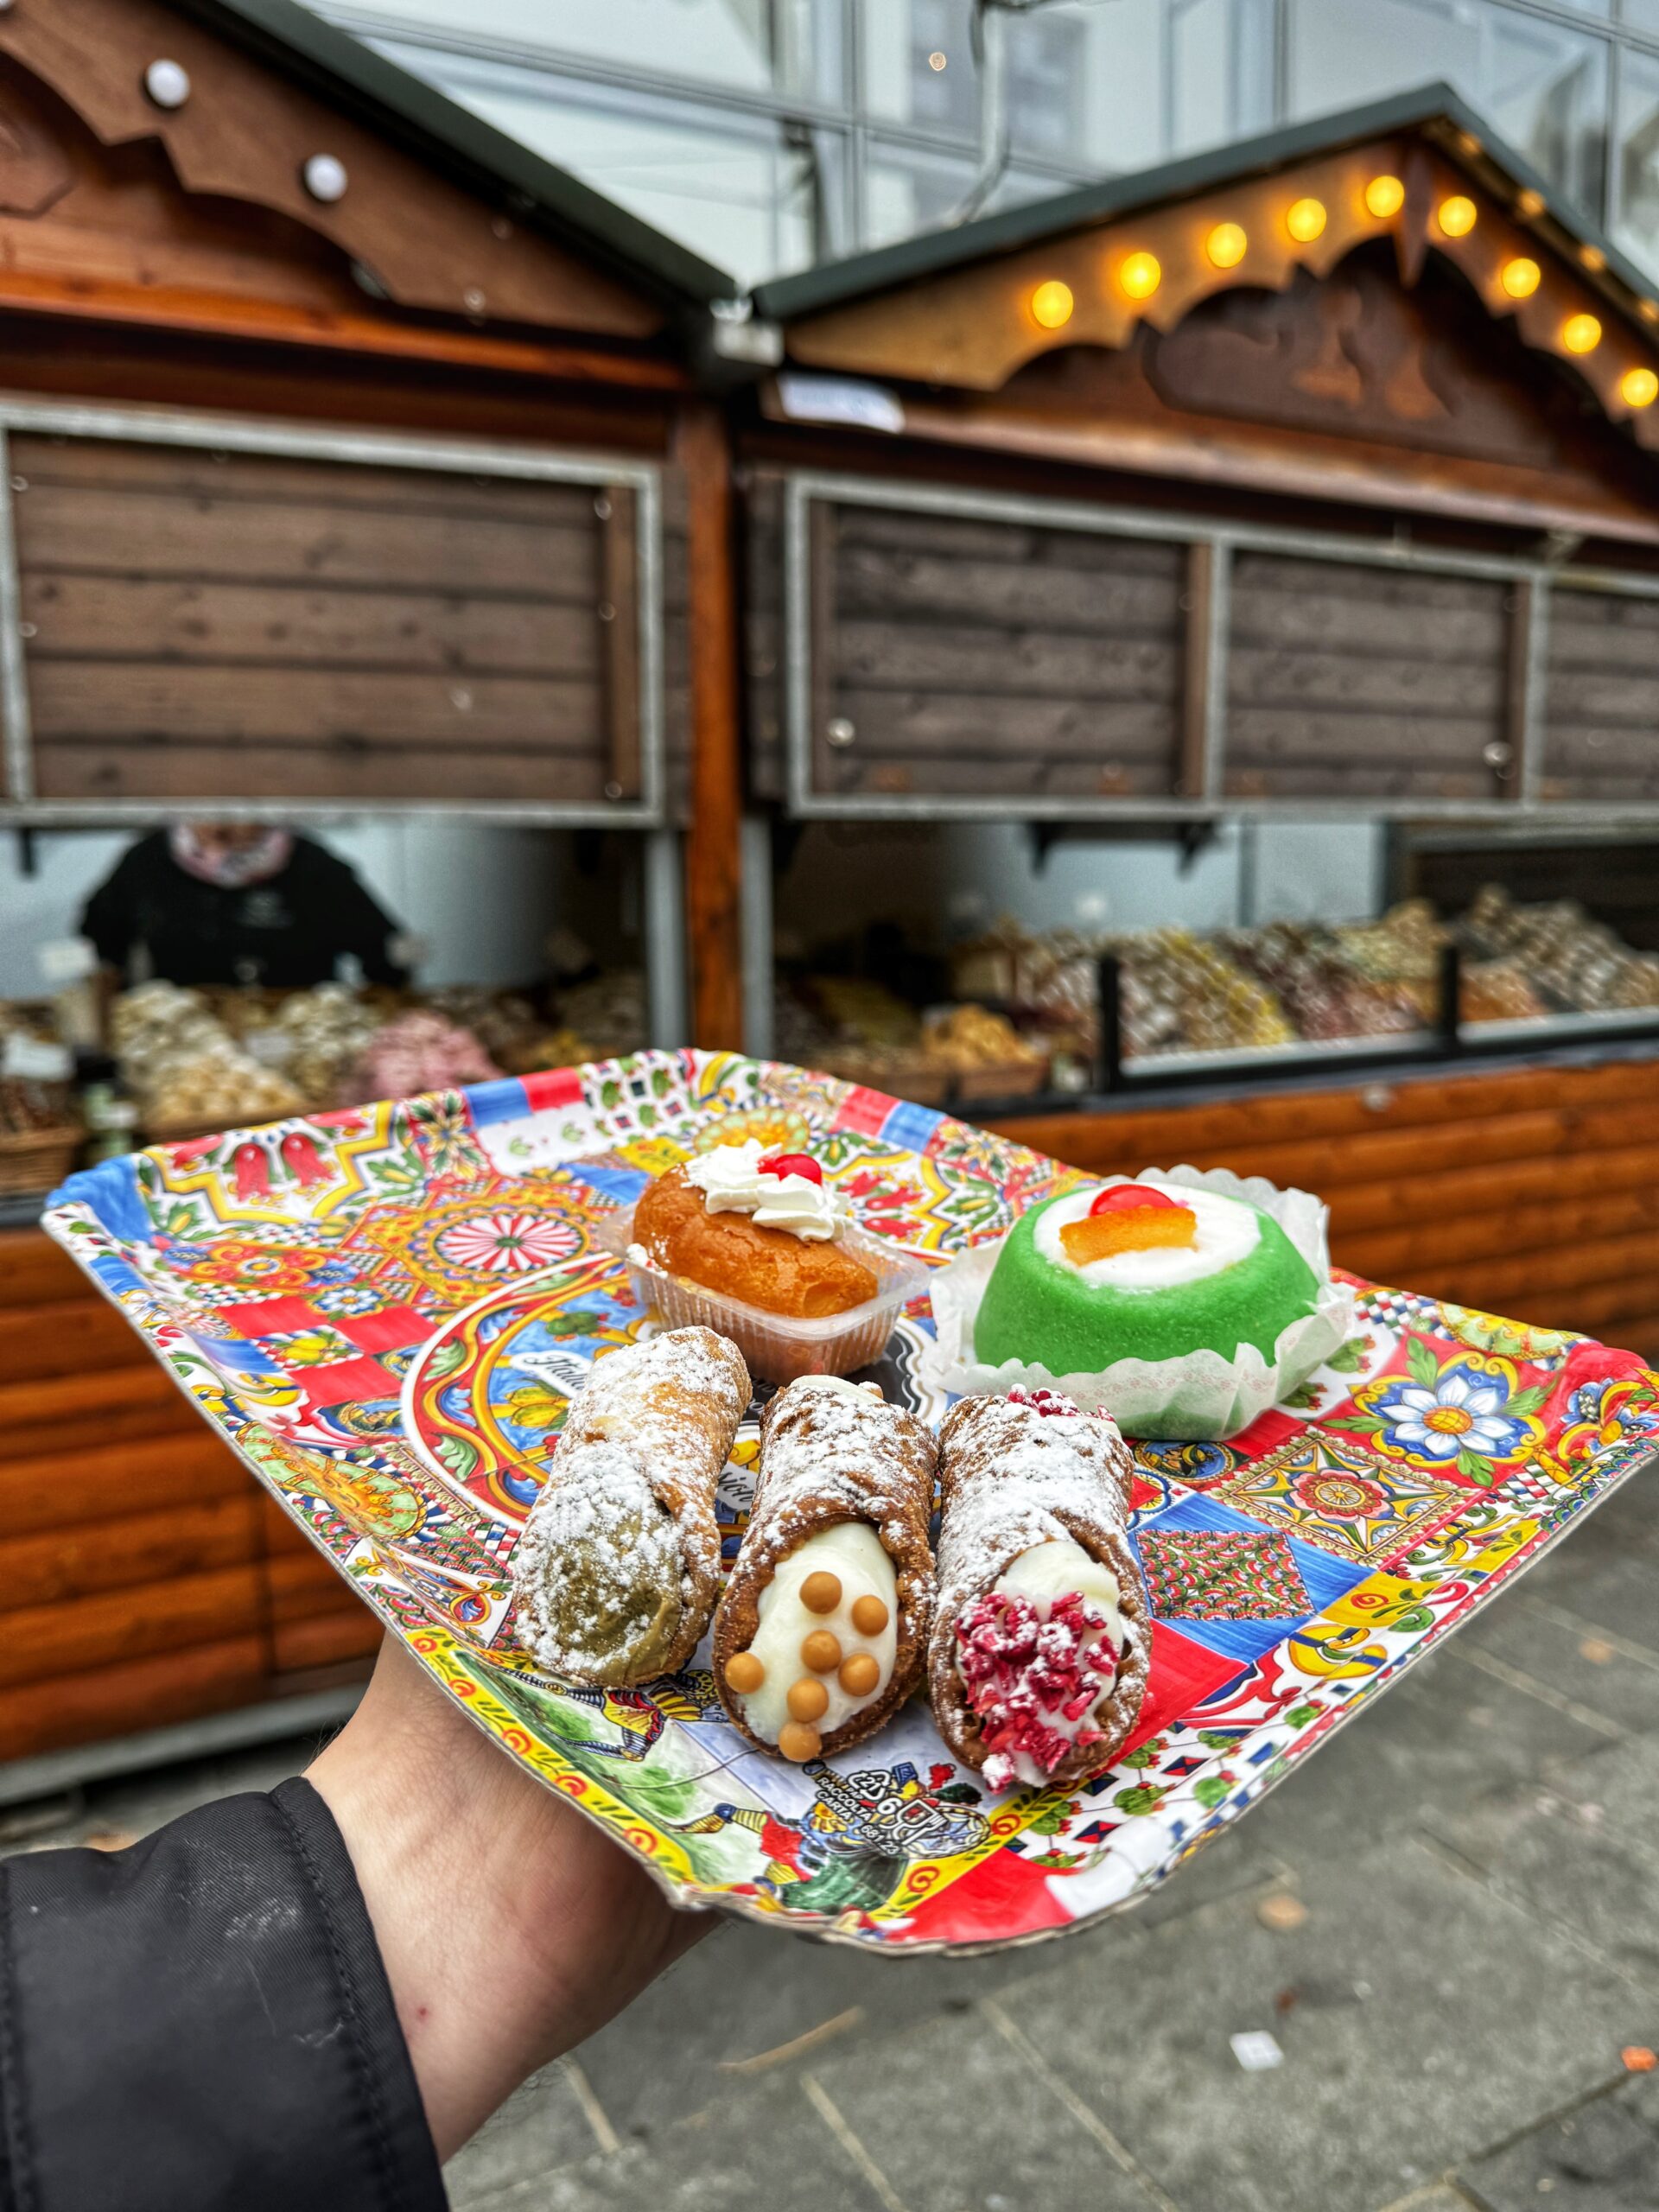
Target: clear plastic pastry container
{"type": "Point", "coordinates": [778, 1347]}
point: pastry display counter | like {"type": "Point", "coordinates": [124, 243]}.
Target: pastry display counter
{"type": "Point", "coordinates": [1053, 1013]}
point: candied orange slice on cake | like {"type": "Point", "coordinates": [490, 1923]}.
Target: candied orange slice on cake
{"type": "Point", "coordinates": [1128, 1217]}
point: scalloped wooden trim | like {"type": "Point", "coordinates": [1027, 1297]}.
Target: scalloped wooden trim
{"type": "Point", "coordinates": [973, 329]}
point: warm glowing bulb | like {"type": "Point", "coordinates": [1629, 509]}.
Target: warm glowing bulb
{"type": "Point", "coordinates": [1385, 196]}
{"type": "Point", "coordinates": [1520, 277]}
{"type": "Point", "coordinates": [1580, 334]}
{"type": "Point", "coordinates": [935, 60]}
{"type": "Point", "coordinates": [1593, 256]}
{"type": "Point", "coordinates": [1304, 219]}
{"type": "Point", "coordinates": [1638, 387]}
{"type": "Point", "coordinates": [1527, 204]}
{"type": "Point", "coordinates": [1225, 245]}
{"type": "Point", "coordinates": [1140, 275]}
{"type": "Point", "coordinates": [1456, 216]}
{"type": "Point", "coordinates": [1051, 304]}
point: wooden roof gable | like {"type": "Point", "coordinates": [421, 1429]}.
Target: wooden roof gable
{"type": "Point", "coordinates": [969, 310]}
{"type": "Point", "coordinates": [166, 150]}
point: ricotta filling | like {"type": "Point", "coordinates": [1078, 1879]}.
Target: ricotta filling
{"type": "Point", "coordinates": [853, 1553]}
{"type": "Point", "coordinates": [1039, 1656]}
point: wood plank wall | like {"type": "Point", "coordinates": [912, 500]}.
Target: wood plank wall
{"type": "Point", "coordinates": [962, 657]}
{"type": "Point", "coordinates": [1532, 1194]}
{"type": "Point", "coordinates": [202, 625]}
{"type": "Point", "coordinates": [1344, 680]}
{"type": "Point", "coordinates": [981, 659]}
{"type": "Point", "coordinates": [145, 1578]}
{"type": "Point", "coordinates": [1601, 673]}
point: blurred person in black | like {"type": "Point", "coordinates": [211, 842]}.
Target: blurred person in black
{"type": "Point", "coordinates": [304, 2000]}
{"type": "Point", "coordinates": [237, 902]}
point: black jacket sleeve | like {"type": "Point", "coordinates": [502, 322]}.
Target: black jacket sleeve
{"type": "Point", "coordinates": [110, 917]}
{"type": "Point", "coordinates": [202, 2024]}
{"type": "Point", "coordinates": [356, 920]}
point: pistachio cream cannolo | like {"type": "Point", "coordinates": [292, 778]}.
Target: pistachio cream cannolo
{"type": "Point", "coordinates": [618, 1564]}
{"type": "Point", "coordinates": [1042, 1634]}
{"type": "Point", "coordinates": [822, 1634]}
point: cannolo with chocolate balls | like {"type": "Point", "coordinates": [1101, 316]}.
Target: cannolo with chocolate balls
{"type": "Point", "coordinates": [619, 1565]}
{"type": "Point", "coordinates": [1042, 1634]}
{"type": "Point", "coordinates": [822, 1634]}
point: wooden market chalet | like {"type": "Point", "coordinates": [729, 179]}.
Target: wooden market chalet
{"type": "Point", "coordinates": [357, 460]}
{"type": "Point", "coordinates": [1314, 476]}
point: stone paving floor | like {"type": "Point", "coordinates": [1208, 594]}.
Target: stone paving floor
{"type": "Point", "coordinates": [1448, 1921]}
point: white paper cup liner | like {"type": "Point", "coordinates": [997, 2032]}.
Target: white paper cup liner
{"type": "Point", "coordinates": [1202, 1395]}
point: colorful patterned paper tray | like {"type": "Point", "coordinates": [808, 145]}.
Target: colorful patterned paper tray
{"type": "Point", "coordinates": [385, 1310]}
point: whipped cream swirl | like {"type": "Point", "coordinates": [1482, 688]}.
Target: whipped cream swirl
{"type": "Point", "coordinates": [731, 1182]}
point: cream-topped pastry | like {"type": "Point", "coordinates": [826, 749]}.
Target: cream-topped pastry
{"type": "Point", "coordinates": [732, 1181]}
{"type": "Point", "coordinates": [763, 1229]}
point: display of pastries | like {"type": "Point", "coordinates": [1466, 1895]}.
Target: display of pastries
{"type": "Point", "coordinates": [763, 1228]}
{"type": "Point", "coordinates": [1578, 962]}
{"type": "Point", "coordinates": [864, 1033]}
{"type": "Point", "coordinates": [1283, 983]}
{"type": "Point", "coordinates": [216, 1086]}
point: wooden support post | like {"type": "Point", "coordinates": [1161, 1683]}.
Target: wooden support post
{"type": "Point", "coordinates": [714, 858]}
{"type": "Point", "coordinates": [1518, 775]}
{"type": "Point", "coordinates": [823, 529]}
{"type": "Point", "coordinates": [1200, 674]}
{"type": "Point", "coordinates": [618, 616]}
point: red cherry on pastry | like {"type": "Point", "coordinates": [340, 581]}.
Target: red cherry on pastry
{"type": "Point", "coordinates": [1124, 1197]}
{"type": "Point", "coordinates": [793, 1163]}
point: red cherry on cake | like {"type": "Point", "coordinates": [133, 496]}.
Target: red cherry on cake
{"type": "Point", "coordinates": [792, 1163]}
{"type": "Point", "coordinates": [1125, 1198]}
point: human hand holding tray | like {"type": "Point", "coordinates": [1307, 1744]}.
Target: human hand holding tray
{"type": "Point", "coordinates": [385, 1311]}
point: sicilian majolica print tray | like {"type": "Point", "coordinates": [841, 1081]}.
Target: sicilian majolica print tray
{"type": "Point", "coordinates": [386, 1310]}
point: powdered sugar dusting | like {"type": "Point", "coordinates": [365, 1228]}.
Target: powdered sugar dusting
{"type": "Point", "coordinates": [627, 1514]}
{"type": "Point", "coordinates": [836, 1454]}
{"type": "Point", "coordinates": [580, 1519]}
{"type": "Point", "coordinates": [1011, 1473]}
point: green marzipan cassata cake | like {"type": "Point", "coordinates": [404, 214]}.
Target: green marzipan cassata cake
{"type": "Point", "coordinates": [1242, 1283]}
